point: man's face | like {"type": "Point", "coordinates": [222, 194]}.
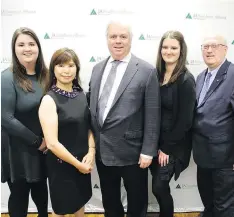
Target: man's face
{"type": "Point", "coordinates": [119, 41]}
{"type": "Point", "coordinates": [214, 51]}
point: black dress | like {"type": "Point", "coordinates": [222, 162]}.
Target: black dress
{"type": "Point", "coordinates": [69, 189]}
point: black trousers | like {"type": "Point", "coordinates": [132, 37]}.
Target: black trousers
{"type": "Point", "coordinates": [136, 184]}
{"type": "Point", "coordinates": [216, 188]}
{"type": "Point", "coordinates": [19, 197]}
{"type": "Point", "coordinates": [161, 177]}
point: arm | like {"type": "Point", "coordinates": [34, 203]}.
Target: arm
{"type": "Point", "coordinates": [151, 116]}
{"type": "Point", "coordinates": [186, 105]}
{"type": "Point", "coordinates": [49, 121]}
{"type": "Point", "coordinates": [89, 157]}
{"type": "Point", "coordinates": [13, 126]}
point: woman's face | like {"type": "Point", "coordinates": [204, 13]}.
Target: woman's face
{"type": "Point", "coordinates": [170, 51]}
{"type": "Point", "coordinates": [65, 73]}
{"type": "Point", "coordinates": [26, 49]}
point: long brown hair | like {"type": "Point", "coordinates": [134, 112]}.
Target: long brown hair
{"type": "Point", "coordinates": [19, 70]}
{"type": "Point", "coordinates": [62, 56]}
{"type": "Point", "coordinates": [181, 63]}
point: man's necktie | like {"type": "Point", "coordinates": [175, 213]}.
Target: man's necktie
{"type": "Point", "coordinates": [205, 87]}
{"type": "Point", "coordinates": [106, 91]}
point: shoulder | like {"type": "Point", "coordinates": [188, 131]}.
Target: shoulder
{"type": "Point", "coordinates": [186, 80]}
{"type": "Point", "coordinates": [100, 64]}
{"type": "Point", "coordinates": [7, 75]}
{"type": "Point", "coordinates": [144, 64]}
{"type": "Point", "coordinates": [47, 100]}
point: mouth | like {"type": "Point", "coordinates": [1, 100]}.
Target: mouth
{"type": "Point", "coordinates": [67, 77]}
{"type": "Point", "coordinates": [27, 54]}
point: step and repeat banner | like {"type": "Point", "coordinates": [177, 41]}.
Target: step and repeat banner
{"type": "Point", "coordinates": [81, 25]}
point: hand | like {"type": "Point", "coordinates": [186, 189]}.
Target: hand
{"type": "Point", "coordinates": [89, 159]}
{"type": "Point", "coordinates": [144, 162]}
{"type": "Point", "coordinates": [42, 146]}
{"type": "Point", "coordinates": [84, 168]}
{"type": "Point", "coordinates": [163, 159]}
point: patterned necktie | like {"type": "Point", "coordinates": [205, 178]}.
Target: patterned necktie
{"type": "Point", "coordinates": [106, 91]}
{"type": "Point", "coordinates": [205, 88]}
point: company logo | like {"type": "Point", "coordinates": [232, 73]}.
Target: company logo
{"type": "Point", "coordinates": [148, 37]}
{"type": "Point", "coordinates": [96, 186]}
{"type": "Point", "coordinates": [233, 42]}
{"type": "Point", "coordinates": [17, 12]}
{"type": "Point", "coordinates": [200, 16]}
{"type": "Point", "coordinates": [95, 59]}
{"type": "Point", "coordinates": [185, 186]}
{"type": "Point", "coordinates": [110, 11]}
{"type": "Point", "coordinates": [5, 60]}
{"type": "Point", "coordinates": [194, 62]}
{"type": "Point", "coordinates": [74, 35]}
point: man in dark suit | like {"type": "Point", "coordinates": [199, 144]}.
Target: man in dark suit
{"type": "Point", "coordinates": [213, 136]}
{"type": "Point", "coordinates": [125, 110]}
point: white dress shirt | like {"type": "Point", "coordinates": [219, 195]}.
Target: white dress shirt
{"type": "Point", "coordinates": [119, 75]}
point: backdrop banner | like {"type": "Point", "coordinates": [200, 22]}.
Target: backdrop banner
{"type": "Point", "coordinates": [81, 25]}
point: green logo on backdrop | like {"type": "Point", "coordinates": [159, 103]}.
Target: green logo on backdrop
{"type": "Point", "coordinates": [46, 36]}
{"type": "Point", "coordinates": [188, 16]}
{"type": "Point", "coordinates": [92, 60]}
{"type": "Point", "coordinates": [233, 42]}
{"type": "Point", "coordinates": [187, 63]}
{"type": "Point", "coordinates": [142, 37]}
{"type": "Point", "coordinates": [93, 12]}
{"type": "Point", "coordinates": [178, 186]}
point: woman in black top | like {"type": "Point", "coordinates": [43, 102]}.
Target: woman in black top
{"type": "Point", "coordinates": [22, 89]}
{"type": "Point", "coordinates": [177, 105]}
{"type": "Point", "coordinates": [65, 120]}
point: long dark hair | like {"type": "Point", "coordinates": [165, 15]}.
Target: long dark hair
{"type": "Point", "coordinates": [181, 63]}
{"type": "Point", "coordinates": [19, 70]}
{"type": "Point", "coordinates": [62, 56]}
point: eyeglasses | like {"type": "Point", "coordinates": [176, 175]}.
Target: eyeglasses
{"type": "Point", "coordinates": [212, 46]}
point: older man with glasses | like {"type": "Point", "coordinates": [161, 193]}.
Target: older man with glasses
{"type": "Point", "coordinates": [213, 135]}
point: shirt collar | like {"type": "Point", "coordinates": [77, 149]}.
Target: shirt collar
{"type": "Point", "coordinates": [126, 59]}
{"type": "Point", "coordinates": [216, 69]}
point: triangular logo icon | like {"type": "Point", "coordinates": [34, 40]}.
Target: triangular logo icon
{"type": "Point", "coordinates": [92, 60]}
{"type": "Point", "coordinates": [95, 186]}
{"type": "Point", "coordinates": [178, 186]}
{"type": "Point", "coordinates": [142, 37]}
{"type": "Point", "coordinates": [93, 12]}
{"type": "Point", "coordinates": [233, 42]}
{"type": "Point", "coordinates": [46, 36]}
{"type": "Point", "coordinates": [188, 16]}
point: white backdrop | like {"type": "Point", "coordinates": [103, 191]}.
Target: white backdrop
{"type": "Point", "coordinates": [81, 25]}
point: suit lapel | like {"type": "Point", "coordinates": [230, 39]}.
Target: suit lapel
{"type": "Point", "coordinates": [219, 78]}
{"type": "Point", "coordinates": [98, 84]}
{"type": "Point", "coordinates": [128, 75]}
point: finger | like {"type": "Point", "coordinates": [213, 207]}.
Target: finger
{"type": "Point", "coordinates": [168, 159]}
{"type": "Point", "coordinates": [84, 159]}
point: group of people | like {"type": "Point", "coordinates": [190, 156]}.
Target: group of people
{"type": "Point", "coordinates": [135, 116]}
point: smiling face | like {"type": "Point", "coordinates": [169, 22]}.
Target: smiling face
{"type": "Point", "coordinates": [65, 73]}
{"type": "Point", "coordinates": [214, 50]}
{"type": "Point", "coordinates": [26, 49]}
{"type": "Point", "coordinates": [170, 51]}
{"type": "Point", "coordinates": [118, 40]}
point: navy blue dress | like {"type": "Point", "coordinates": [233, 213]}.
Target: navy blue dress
{"type": "Point", "coordinates": [69, 189]}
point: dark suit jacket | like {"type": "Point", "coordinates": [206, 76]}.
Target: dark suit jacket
{"type": "Point", "coordinates": [213, 135]}
{"type": "Point", "coordinates": [132, 124]}
{"type": "Point", "coordinates": [178, 141]}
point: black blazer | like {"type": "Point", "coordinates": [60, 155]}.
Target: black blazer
{"type": "Point", "coordinates": [178, 141]}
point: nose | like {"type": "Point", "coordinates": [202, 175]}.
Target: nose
{"type": "Point", "coordinates": [118, 39]}
{"type": "Point", "coordinates": [27, 47]}
{"type": "Point", "coordinates": [209, 49]}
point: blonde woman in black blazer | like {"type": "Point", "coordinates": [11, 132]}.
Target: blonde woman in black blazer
{"type": "Point", "coordinates": [177, 89]}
